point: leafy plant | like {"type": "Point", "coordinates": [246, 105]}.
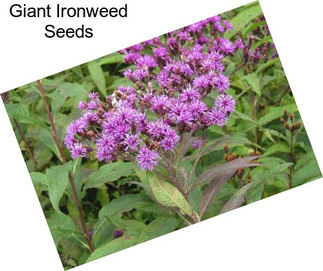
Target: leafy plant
{"type": "Point", "coordinates": [176, 130]}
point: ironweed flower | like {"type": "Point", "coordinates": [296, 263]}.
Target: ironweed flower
{"type": "Point", "coordinates": [171, 78]}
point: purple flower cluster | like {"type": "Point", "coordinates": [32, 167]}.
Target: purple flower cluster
{"type": "Point", "coordinates": [172, 77]}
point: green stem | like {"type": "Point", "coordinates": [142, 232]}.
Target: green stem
{"type": "Point", "coordinates": [293, 160]}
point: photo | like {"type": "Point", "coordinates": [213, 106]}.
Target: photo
{"type": "Point", "coordinates": [161, 135]}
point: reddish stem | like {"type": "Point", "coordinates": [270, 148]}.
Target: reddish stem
{"type": "Point", "coordinates": [70, 176]}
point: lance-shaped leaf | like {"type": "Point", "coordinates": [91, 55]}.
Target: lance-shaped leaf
{"type": "Point", "coordinates": [212, 190]}
{"type": "Point", "coordinates": [168, 195]}
{"type": "Point", "coordinates": [226, 169]}
{"type": "Point", "coordinates": [113, 246]}
{"type": "Point", "coordinates": [219, 176]}
{"type": "Point", "coordinates": [57, 179]}
{"type": "Point", "coordinates": [158, 227]}
{"type": "Point", "coordinates": [237, 199]}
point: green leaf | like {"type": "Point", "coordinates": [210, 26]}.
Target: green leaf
{"type": "Point", "coordinates": [22, 115]}
{"type": "Point", "coordinates": [237, 199]}
{"type": "Point", "coordinates": [237, 114]}
{"type": "Point", "coordinates": [255, 192]}
{"type": "Point", "coordinates": [276, 113]}
{"type": "Point", "coordinates": [123, 204]}
{"type": "Point", "coordinates": [306, 169]}
{"type": "Point", "coordinates": [113, 246]}
{"type": "Point", "coordinates": [276, 148]}
{"type": "Point", "coordinates": [57, 179]}
{"type": "Point", "coordinates": [251, 27]}
{"type": "Point", "coordinates": [254, 81]}
{"type": "Point", "coordinates": [109, 173]}
{"type": "Point", "coordinates": [158, 227]}
{"type": "Point", "coordinates": [119, 82]}
{"type": "Point", "coordinates": [39, 181]}
{"type": "Point", "coordinates": [97, 75]}
{"type": "Point", "coordinates": [47, 139]}
{"type": "Point", "coordinates": [260, 42]}
{"type": "Point", "coordinates": [111, 59]}
{"type": "Point", "coordinates": [242, 19]}
{"type": "Point", "coordinates": [269, 63]}
{"type": "Point", "coordinates": [103, 233]}
{"type": "Point", "coordinates": [168, 195]}
{"type": "Point", "coordinates": [61, 226]}
{"type": "Point", "coordinates": [65, 91]}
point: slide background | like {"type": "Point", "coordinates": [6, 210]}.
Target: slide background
{"type": "Point", "coordinates": [283, 232]}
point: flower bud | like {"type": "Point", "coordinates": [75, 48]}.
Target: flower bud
{"type": "Point", "coordinates": [285, 114]}
{"type": "Point", "coordinates": [286, 125]}
{"type": "Point", "coordinates": [226, 147]}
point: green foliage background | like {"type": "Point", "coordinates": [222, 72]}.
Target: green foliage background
{"type": "Point", "coordinates": [116, 196]}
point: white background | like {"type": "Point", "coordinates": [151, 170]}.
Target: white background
{"type": "Point", "coordinates": [283, 232]}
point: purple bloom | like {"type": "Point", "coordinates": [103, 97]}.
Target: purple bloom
{"type": "Point", "coordinates": [215, 116]}
{"type": "Point", "coordinates": [196, 27]}
{"type": "Point", "coordinates": [204, 82]}
{"type": "Point", "coordinates": [227, 25]}
{"type": "Point", "coordinates": [105, 148]}
{"type": "Point", "coordinates": [222, 83]}
{"type": "Point", "coordinates": [179, 113]}
{"type": "Point", "coordinates": [135, 48]}
{"type": "Point", "coordinates": [157, 128]}
{"type": "Point", "coordinates": [225, 103]}
{"type": "Point", "coordinates": [147, 159]}
{"type": "Point", "coordinates": [196, 53]}
{"type": "Point", "coordinates": [189, 94]}
{"type": "Point", "coordinates": [139, 74]}
{"type": "Point", "coordinates": [89, 117]}
{"type": "Point", "coordinates": [153, 42]}
{"type": "Point", "coordinates": [226, 46]}
{"type": "Point", "coordinates": [128, 73]}
{"type": "Point", "coordinates": [146, 61]}
{"type": "Point", "coordinates": [141, 122]}
{"type": "Point", "coordinates": [92, 105]}
{"type": "Point", "coordinates": [172, 43]}
{"type": "Point", "coordinates": [170, 140]}
{"type": "Point", "coordinates": [94, 96]}
{"type": "Point", "coordinates": [78, 150]}
{"type": "Point", "coordinates": [197, 108]}
{"type": "Point", "coordinates": [161, 53]}
{"type": "Point", "coordinates": [131, 57]}
{"type": "Point", "coordinates": [219, 27]}
{"type": "Point", "coordinates": [126, 114]}
{"type": "Point", "coordinates": [184, 36]}
{"type": "Point", "coordinates": [239, 44]}
{"type": "Point", "coordinates": [131, 142]}
{"type": "Point", "coordinates": [160, 104]}
{"type": "Point", "coordinates": [173, 78]}
{"type": "Point", "coordinates": [82, 105]}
